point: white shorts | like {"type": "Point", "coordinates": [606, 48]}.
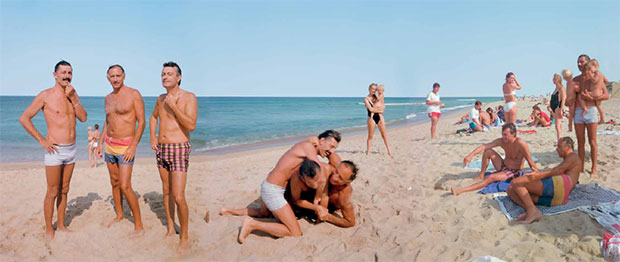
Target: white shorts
{"type": "Point", "coordinates": [64, 156]}
{"type": "Point", "coordinates": [272, 195]}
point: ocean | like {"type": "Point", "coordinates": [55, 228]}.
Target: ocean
{"type": "Point", "coordinates": [228, 122]}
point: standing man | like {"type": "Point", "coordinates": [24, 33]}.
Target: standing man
{"type": "Point", "coordinates": [588, 121]}
{"type": "Point", "coordinates": [176, 111]}
{"type": "Point", "coordinates": [433, 109]}
{"type": "Point", "coordinates": [123, 108]}
{"type": "Point", "coordinates": [60, 105]}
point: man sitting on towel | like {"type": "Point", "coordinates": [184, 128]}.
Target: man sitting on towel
{"type": "Point", "coordinates": [516, 152]}
{"type": "Point", "coordinates": [549, 188]}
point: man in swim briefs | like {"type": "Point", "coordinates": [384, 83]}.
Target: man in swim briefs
{"type": "Point", "coordinates": [61, 106]}
{"type": "Point", "coordinates": [549, 188]}
{"type": "Point", "coordinates": [511, 166]}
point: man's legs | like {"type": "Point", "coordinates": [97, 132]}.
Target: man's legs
{"type": "Point", "coordinates": [495, 158]}
{"type": "Point", "coordinates": [132, 200]}
{"type": "Point", "coordinates": [168, 202]}
{"type": "Point", "coordinates": [61, 205]}
{"type": "Point", "coordinates": [52, 175]}
{"type": "Point", "coordinates": [178, 180]}
{"type": "Point", "coordinates": [253, 212]}
{"type": "Point", "coordinates": [571, 116]}
{"type": "Point", "coordinates": [287, 227]}
{"type": "Point", "coordinates": [116, 192]}
{"type": "Point", "coordinates": [434, 120]}
{"type": "Point", "coordinates": [525, 195]}
{"type": "Point", "coordinates": [580, 131]}
{"type": "Point", "coordinates": [499, 176]}
{"type": "Point", "coordinates": [593, 146]}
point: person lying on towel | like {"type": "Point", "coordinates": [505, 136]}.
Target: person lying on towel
{"type": "Point", "coordinates": [549, 188]}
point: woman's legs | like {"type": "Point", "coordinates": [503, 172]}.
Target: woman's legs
{"type": "Point", "coordinates": [371, 132]}
{"type": "Point", "coordinates": [384, 134]}
{"type": "Point", "coordinates": [557, 115]}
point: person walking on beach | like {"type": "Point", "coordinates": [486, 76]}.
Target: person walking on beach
{"type": "Point", "coordinates": [93, 144]}
{"type": "Point", "coordinates": [123, 108]}
{"type": "Point", "coordinates": [516, 151]}
{"type": "Point", "coordinates": [176, 111]}
{"type": "Point", "coordinates": [61, 106]}
{"type": "Point", "coordinates": [510, 108]}
{"type": "Point", "coordinates": [274, 186]}
{"type": "Point", "coordinates": [374, 107]}
{"type": "Point", "coordinates": [549, 188]}
{"type": "Point", "coordinates": [433, 109]}
{"type": "Point", "coordinates": [558, 99]}
{"type": "Point", "coordinates": [590, 90]}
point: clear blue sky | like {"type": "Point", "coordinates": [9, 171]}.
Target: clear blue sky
{"type": "Point", "coordinates": [306, 48]}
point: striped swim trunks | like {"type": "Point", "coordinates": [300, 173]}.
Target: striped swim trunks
{"type": "Point", "coordinates": [555, 190]}
{"type": "Point", "coordinates": [173, 157]}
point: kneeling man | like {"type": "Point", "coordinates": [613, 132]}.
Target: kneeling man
{"type": "Point", "coordinates": [549, 188]}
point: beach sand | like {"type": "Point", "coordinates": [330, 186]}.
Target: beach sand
{"type": "Point", "coordinates": [404, 210]}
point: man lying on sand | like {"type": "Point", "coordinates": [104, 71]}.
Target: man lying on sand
{"type": "Point", "coordinates": [551, 187]}
{"type": "Point", "coordinates": [272, 189]}
{"type": "Point", "coordinates": [516, 152]}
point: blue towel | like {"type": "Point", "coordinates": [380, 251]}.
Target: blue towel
{"type": "Point", "coordinates": [500, 186]}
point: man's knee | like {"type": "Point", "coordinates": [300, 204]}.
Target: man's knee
{"type": "Point", "coordinates": [65, 189]}
{"type": "Point", "coordinates": [296, 233]}
{"type": "Point", "coordinates": [126, 188]}
{"type": "Point", "coordinates": [489, 153]}
{"type": "Point", "coordinates": [115, 182]}
{"type": "Point", "coordinates": [179, 197]}
{"type": "Point", "coordinates": [52, 192]}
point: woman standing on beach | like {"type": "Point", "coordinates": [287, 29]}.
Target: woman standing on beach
{"type": "Point", "coordinates": [510, 108]}
{"type": "Point", "coordinates": [374, 106]}
{"type": "Point", "coordinates": [558, 98]}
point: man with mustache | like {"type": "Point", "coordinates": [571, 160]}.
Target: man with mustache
{"type": "Point", "coordinates": [123, 108]}
{"type": "Point", "coordinates": [61, 106]}
{"type": "Point", "coordinates": [176, 110]}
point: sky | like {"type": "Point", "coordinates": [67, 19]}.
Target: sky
{"type": "Point", "coordinates": [306, 48]}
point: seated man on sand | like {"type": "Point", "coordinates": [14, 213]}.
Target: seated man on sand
{"type": "Point", "coordinates": [336, 197]}
{"type": "Point", "coordinates": [516, 151]}
{"type": "Point", "coordinates": [474, 118]}
{"type": "Point", "coordinates": [272, 189]}
{"type": "Point", "coordinates": [549, 188]}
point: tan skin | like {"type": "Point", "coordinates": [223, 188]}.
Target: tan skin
{"type": "Point", "coordinates": [538, 119]}
{"type": "Point", "coordinates": [123, 107]}
{"type": "Point", "coordinates": [61, 106]}
{"type": "Point", "coordinates": [570, 99]}
{"type": "Point", "coordinates": [434, 119]}
{"type": "Point", "coordinates": [516, 151]}
{"type": "Point", "coordinates": [510, 85]}
{"type": "Point", "coordinates": [582, 82]}
{"type": "Point", "coordinates": [176, 111]}
{"type": "Point", "coordinates": [92, 152]}
{"type": "Point", "coordinates": [557, 114]}
{"type": "Point", "coordinates": [379, 106]}
{"type": "Point", "coordinates": [478, 127]}
{"type": "Point", "coordinates": [286, 167]}
{"type": "Point", "coordinates": [526, 190]}
{"type": "Point", "coordinates": [485, 118]}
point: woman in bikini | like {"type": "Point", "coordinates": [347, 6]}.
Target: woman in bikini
{"type": "Point", "coordinates": [374, 107]}
{"type": "Point", "coordinates": [510, 108]}
{"type": "Point", "coordinates": [557, 102]}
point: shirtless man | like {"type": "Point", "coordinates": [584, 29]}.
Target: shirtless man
{"type": "Point", "coordinates": [587, 121]}
{"type": "Point", "coordinates": [337, 197]}
{"type": "Point", "coordinates": [60, 105]}
{"type": "Point", "coordinates": [176, 111]}
{"type": "Point", "coordinates": [123, 108]}
{"type": "Point", "coordinates": [516, 151]}
{"type": "Point", "coordinates": [272, 189]}
{"type": "Point", "coordinates": [541, 187]}
{"type": "Point", "coordinates": [485, 119]}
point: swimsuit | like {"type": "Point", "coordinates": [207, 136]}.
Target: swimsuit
{"type": "Point", "coordinates": [272, 195]}
{"type": "Point", "coordinates": [115, 149]}
{"type": "Point", "coordinates": [64, 156]}
{"type": "Point", "coordinates": [556, 190]}
{"type": "Point", "coordinates": [376, 117]}
{"type": "Point", "coordinates": [510, 173]}
{"type": "Point", "coordinates": [173, 157]}
{"type": "Point", "coordinates": [509, 105]}
{"type": "Point", "coordinates": [589, 118]}
{"type": "Point", "coordinates": [555, 101]}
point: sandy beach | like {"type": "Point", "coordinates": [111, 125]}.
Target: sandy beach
{"type": "Point", "coordinates": [404, 210]}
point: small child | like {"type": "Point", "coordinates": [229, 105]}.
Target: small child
{"type": "Point", "coordinates": [597, 85]}
{"type": "Point", "coordinates": [570, 96]}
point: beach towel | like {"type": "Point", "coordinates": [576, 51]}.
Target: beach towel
{"type": "Point", "coordinates": [608, 132]}
{"type": "Point", "coordinates": [496, 187]}
{"type": "Point", "coordinates": [606, 214]}
{"type": "Point", "coordinates": [583, 195]}
{"type": "Point", "coordinates": [477, 164]}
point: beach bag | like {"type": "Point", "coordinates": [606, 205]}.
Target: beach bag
{"type": "Point", "coordinates": [611, 247]}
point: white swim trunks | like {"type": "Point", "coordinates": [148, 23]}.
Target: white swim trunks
{"type": "Point", "coordinates": [64, 156]}
{"type": "Point", "coordinates": [272, 195]}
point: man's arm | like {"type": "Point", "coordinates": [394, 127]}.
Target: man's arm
{"type": "Point", "coordinates": [187, 116]}
{"type": "Point", "coordinates": [26, 121]}
{"type": "Point", "coordinates": [348, 214]}
{"type": "Point", "coordinates": [528, 157]}
{"type": "Point", "coordinates": [80, 112]}
{"type": "Point", "coordinates": [104, 131]}
{"type": "Point", "coordinates": [153, 124]}
{"type": "Point", "coordinates": [138, 106]}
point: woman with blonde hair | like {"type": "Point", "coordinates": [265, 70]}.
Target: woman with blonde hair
{"type": "Point", "coordinates": [510, 108]}
{"type": "Point", "coordinates": [557, 101]}
{"type": "Point", "coordinates": [374, 106]}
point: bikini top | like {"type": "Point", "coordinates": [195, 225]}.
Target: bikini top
{"type": "Point", "coordinates": [511, 93]}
